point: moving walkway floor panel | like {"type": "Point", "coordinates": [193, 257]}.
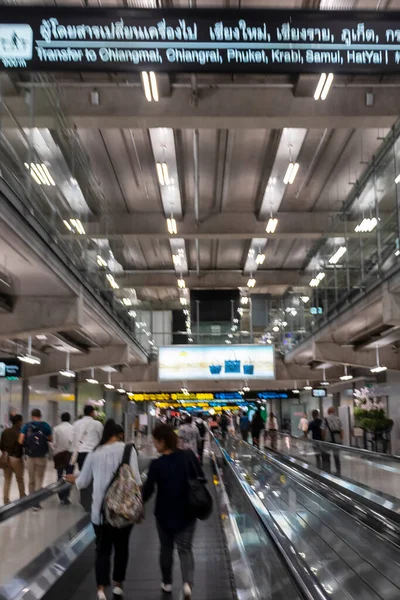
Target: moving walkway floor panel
{"type": "Point", "coordinates": [143, 581]}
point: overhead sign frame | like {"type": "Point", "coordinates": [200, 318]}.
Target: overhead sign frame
{"type": "Point", "coordinates": [216, 363]}
{"type": "Point", "coordinates": [42, 38]}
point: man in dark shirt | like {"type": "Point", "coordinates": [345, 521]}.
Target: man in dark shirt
{"type": "Point", "coordinates": [15, 465]}
{"type": "Point", "coordinates": [317, 429]}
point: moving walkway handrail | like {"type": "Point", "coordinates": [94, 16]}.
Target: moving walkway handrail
{"type": "Point", "coordinates": [371, 454]}
{"type": "Point", "coordinates": [18, 506]}
{"type": "Point", "coordinates": [304, 578]}
{"type": "Point", "coordinates": [350, 497]}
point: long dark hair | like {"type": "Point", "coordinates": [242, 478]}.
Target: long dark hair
{"type": "Point", "coordinates": [111, 429]}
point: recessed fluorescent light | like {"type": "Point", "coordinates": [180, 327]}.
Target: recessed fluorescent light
{"type": "Point", "coordinates": [366, 225]}
{"type": "Point", "coordinates": [153, 85]}
{"type": "Point", "coordinates": [150, 86]}
{"type": "Point", "coordinates": [271, 225]}
{"type": "Point", "coordinates": [121, 390]}
{"type": "Point", "coordinates": [260, 259]}
{"type": "Point", "coordinates": [41, 336]}
{"type": "Point", "coordinates": [320, 276]}
{"type": "Point", "coordinates": [162, 173]}
{"type": "Point", "coordinates": [397, 180]}
{"type": "Point", "coordinates": [40, 174]}
{"type": "Point", "coordinates": [304, 299]}
{"type": "Point", "coordinates": [181, 284]}
{"type": "Point", "coordinates": [91, 380]}
{"type": "Point", "coordinates": [171, 225]}
{"type": "Point", "coordinates": [183, 301]}
{"type": "Point", "coordinates": [67, 225]}
{"type": "Point", "coordinates": [112, 281]}
{"type": "Point", "coordinates": [346, 376]}
{"type": "Point", "coordinates": [291, 173]}
{"type": "Point", "coordinates": [132, 313]}
{"type": "Point", "coordinates": [100, 261]}
{"type": "Point", "coordinates": [109, 386]}
{"type": "Point", "coordinates": [251, 282]}
{"type": "Point", "coordinates": [338, 255]}
{"type": "Point", "coordinates": [244, 300]}
{"type": "Point", "coordinates": [127, 301]}
{"type": "Point", "coordinates": [323, 86]}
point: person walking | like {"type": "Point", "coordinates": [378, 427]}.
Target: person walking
{"type": "Point", "coordinates": [14, 464]}
{"type": "Point", "coordinates": [317, 429]}
{"type": "Point", "coordinates": [35, 437]}
{"type": "Point", "coordinates": [272, 428]}
{"type": "Point", "coordinates": [203, 436]}
{"type": "Point", "coordinates": [334, 435]}
{"type": "Point", "coordinates": [62, 451]}
{"type": "Point", "coordinates": [224, 425]}
{"type": "Point", "coordinates": [244, 425]}
{"type": "Point", "coordinates": [257, 425]}
{"type": "Point", "coordinates": [303, 425]}
{"type": "Point", "coordinates": [189, 436]}
{"type": "Point", "coordinates": [87, 435]}
{"type": "Point", "coordinates": [170, 473]}
{"type": "Point", "coordinates": [99, 468]}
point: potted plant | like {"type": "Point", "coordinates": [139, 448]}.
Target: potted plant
{"type": "Point", "coordinates": [370, 415]}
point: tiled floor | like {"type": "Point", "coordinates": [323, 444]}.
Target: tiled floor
{"type": "Point", "coordinates": [143, 580]}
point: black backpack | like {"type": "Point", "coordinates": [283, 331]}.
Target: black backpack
{"type": "Point", "coordinates": [35, 443]}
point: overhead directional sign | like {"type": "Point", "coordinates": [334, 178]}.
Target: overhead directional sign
{"type": "Point", "coordinates": [292, 41]}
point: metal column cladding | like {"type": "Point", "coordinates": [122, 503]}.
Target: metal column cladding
{"type": "Point", "coordinates": [197, 40]}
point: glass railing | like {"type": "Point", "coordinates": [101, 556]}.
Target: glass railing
{"type": "Point", "coordinates": [347, 558]}
{"type": "Point", "coordinates": [373, 471]}
{"type": "Point", "coordinates": [47, 176]}
{"type": "Point", "coordinates": [366, 233]}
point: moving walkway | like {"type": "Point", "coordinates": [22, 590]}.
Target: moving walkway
{"type": "Point", "coordinates": [276, 532]}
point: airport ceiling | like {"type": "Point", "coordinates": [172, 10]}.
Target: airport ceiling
{"type": "Point", "coordinates": [227, 141]}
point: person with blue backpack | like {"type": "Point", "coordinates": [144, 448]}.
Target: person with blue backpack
{"type": "Point", "coordinates": [35, 437]}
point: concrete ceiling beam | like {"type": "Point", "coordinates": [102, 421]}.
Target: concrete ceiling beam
{"type": "Point", "coordinates": [35, 314]}
{"type": "Point", "coordinates": [145, 378]}
{"type": "Point", "coordinates": [96, 359]}
{"type": "Point", "coordinates": [211, 279]}
{"type": "Point", "coordinates": [218, 107]}
{"type": "Point", "coordinates": [326, 352]}
{"type": "Point", "coordinates": [234, 225]}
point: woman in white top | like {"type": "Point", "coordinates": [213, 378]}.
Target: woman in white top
{"type": "Point", "coordinates": [100, 467]}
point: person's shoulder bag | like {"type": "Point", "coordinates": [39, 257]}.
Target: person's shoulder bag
{"type": "Point", "coordinates": [123, 504]}
{"type": "Point", "coordinates": [200, 502]}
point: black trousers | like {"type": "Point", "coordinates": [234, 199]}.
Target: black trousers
{"type": "Point", "coordinates": [68, 470]}
{"type": "Point", "coordinates": [108, 539]}
{"type": "Point", "coordinates": [87, 493]}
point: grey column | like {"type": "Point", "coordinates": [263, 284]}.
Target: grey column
{"type": "Point", "coordinates": [25, 399]}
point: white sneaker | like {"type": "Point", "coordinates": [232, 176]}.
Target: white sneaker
{"type": "Point", "coordinates": [186, 592]}
{"type": "Point", "coordinates": [118, 593]}
{"type": "Point", "coordinates": [166, 587]}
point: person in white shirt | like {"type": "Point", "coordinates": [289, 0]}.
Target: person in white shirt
{"type": "Point", "coordinates": [272, 428]}
{"type": "Point", "coordinates": [99, 469]}
{"type": "Point", "coordinates": [62, 451]}
{"type": "Point", "coordinates": [303, 425]}
{"type": "Point", "coordinates": [87, 435]}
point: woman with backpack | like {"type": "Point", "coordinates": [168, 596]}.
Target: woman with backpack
{"type": "Point", "coordinates": [101, 467]}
